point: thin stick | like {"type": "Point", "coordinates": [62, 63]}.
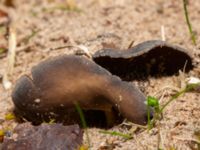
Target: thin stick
{"type": "Point", "coordinates": [11, 52]}
{"type": "Point", "coordinates": [10, 58]}
{"type": "Point", "coordinates": [188, 22]}
{"type": "Point", "coordinates": [83, 49]}
{"type": "Point", "coordinates": [132, 124]}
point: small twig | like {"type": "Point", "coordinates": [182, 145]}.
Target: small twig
{"type": "Point", "coordinates": [60, 47]}
{"type": "Point", "coordinates": [11, 49]}
{"type": "Point", "coordinates": [131, 44]}
{"type": "Point", "coordinates": [188, 22]}
{"type": "Point", "coordinates": [10, 57]}
{"type": "Point", "coordinates": [133, 124]}
{"type": "Point", "coordinates": [84, 49]}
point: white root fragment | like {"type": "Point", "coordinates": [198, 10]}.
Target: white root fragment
{"type": "Point", "coordinates": [163, 33]}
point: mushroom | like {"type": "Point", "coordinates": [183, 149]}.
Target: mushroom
{"type": "Point", "coordinates": [59, 83]}
{"type": "Point", "coordinates": [150, 58]}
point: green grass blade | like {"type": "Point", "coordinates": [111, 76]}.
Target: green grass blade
{"type": "Point", "coordinates": [114, 133]}
{"type": "Point", "coordinates": [84, 124]}
{"type": "Point", "coordinates": [188, 22]}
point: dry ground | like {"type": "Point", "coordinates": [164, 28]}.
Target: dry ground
{"type": "Point", "coordinates": [100, 23]}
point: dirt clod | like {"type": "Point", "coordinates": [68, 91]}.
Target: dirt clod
{"type": "Point", "coordinates": [44, 137]}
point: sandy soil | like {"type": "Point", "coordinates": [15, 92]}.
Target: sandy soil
{"type": "Point", "coordinates": [108, 23]}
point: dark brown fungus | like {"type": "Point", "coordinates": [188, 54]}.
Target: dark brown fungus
{"type": "Point", "coordinates": [58, 83]}
{"type": "Point", "coordinates": [44, 137]}
{"type": "Point", "coordinates": [151, 58]}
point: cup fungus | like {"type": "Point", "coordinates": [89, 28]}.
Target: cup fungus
{"type": "Point", "coordinates": [150, 58]}
{"type": "Point", "coordinates": [59, 83]}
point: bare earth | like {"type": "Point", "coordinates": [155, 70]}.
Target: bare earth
{"type": "Point", "coordinates": [115, 23]}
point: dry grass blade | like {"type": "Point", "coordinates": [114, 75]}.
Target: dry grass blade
{"type": "Point", "coordinates": [131, 44]}
{"type": "Point", "coordinates": [11, 50]}
{"type": "Point", "coordinates": [114, 133]}
{"type": "Point", "coordinates": [163, 33]}
{"type": "Point", "coordinates": [10, 58]}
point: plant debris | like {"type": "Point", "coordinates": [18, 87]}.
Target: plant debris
{"type": "Point", "coordinates": [44, 137]}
